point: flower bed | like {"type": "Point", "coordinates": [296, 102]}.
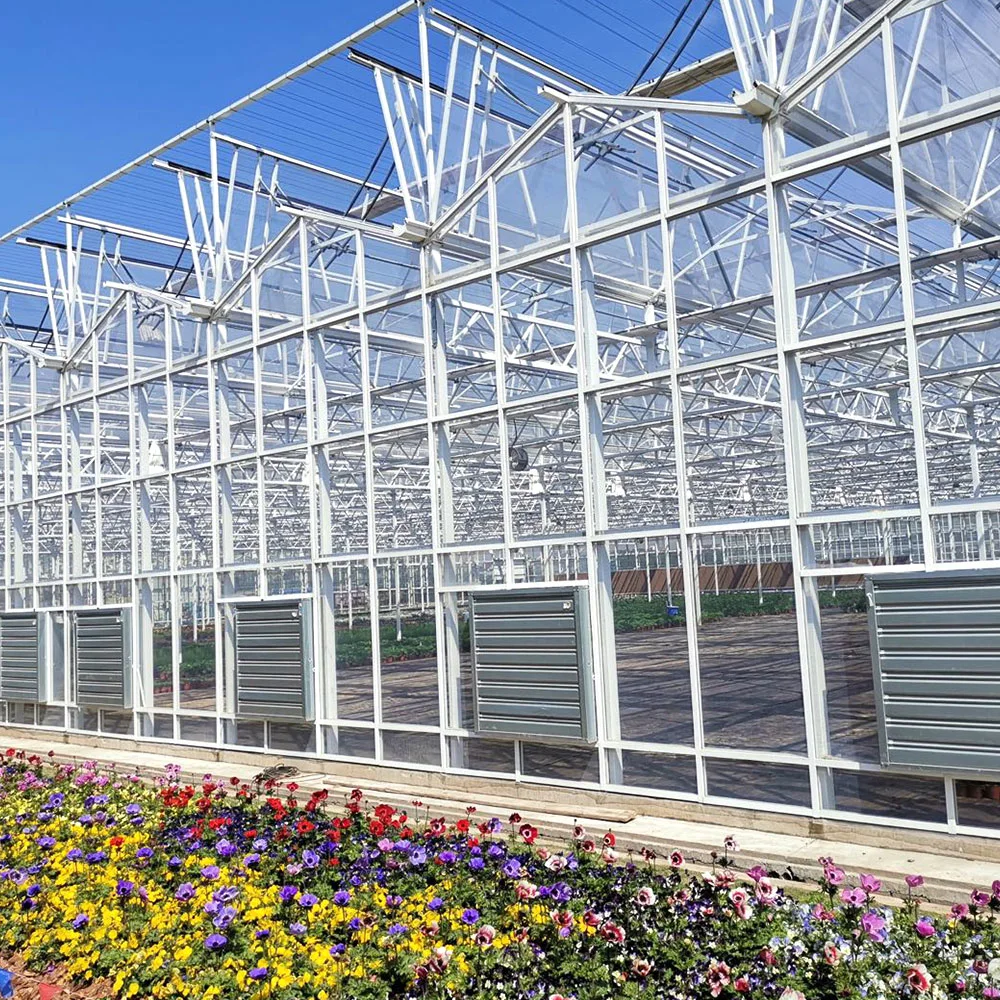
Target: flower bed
{"type": "Point", "coordinates": [215, 890]}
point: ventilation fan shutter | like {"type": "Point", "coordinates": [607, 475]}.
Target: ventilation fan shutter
{"type": "Point", "coordinates": [102, 644]}
{"type": "Point", "coordinates": [531, 664]}
{"type": "Point", "coordinates": [936, 656]}
{"type": "Point", "coordinates": [20, 658]}
{"type": "Point", "coordinates": [271, 660]}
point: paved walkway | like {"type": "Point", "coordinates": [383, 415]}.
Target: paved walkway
{"type": "Point", "coordinates": [948, 878]}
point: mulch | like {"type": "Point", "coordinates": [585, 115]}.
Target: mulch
{"type": "Point", "coordinates": [27, 984]}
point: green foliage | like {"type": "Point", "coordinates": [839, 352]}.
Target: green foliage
{"type": "Point", "coordinates": [635, 613]}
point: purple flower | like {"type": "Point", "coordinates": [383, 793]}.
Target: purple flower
{"type": "Point", "coordinates": [298, 929]}
{"type": "Point", "coordinates": [46, 842]}
{"type": "Point", "coordinates": [287, 893]}
{"type": "Point", "coordinates": [873, 925]}
{"type": "Point", "coordinates": [174, 862]}
{"type": "Point", "coordinates": [184, 892]}
{"type": "Point", "coordinates": [259, 973]}
{"type": "Point", "coordinates": [144, 853]}
{"type": "Point", "coordinates": [251, 859]}
{"type": "Point", "coordinates": [210, 872]}
{"type": "Point", "coordinates": [224, 917]}
{"type": "Point", "coordinates": [96, 857]}
{"type": "Point", "coordinates": [262, 935]}
{"type": "Point", "coordinates": [477, 864]}
{"type": "Point", "coordinates": [470, 916]}
{"type": "Point", "coordinates": [418, 856]}
{"type": "Point", "coordinates": [124, 888]}
{"type": "Point", "coordinates": [870, 884]}
{"type": "Point", "coordinates": [512, 868]}
{"type": "Point", "coordinates": [132, 809]}
{"type": "Point", "coordinates": [260, 844]}
{"type": "Point", "coordinates": [80, 921]}
{"type": "Point", "coordinates": [436, 903]}
{"type": "Point", "coordinates": [447, 857]}
{"type": "Point", "coordinates": [74, 854]}
{"type": "Point", "coordinates": [338, 949]}
{"type": "Point", "coordinates": [342, 897]}
{"type": "Point", "coordinates": [310, 858]}
{"type": "Point", "coordinates": [925, 927]}
{"type": "Point", "coordinates": [216, 942]}
{"type": "Point", "coordinates": [227, 894]}
{"type": "Point", "coordinates": [914, 881]}
{"type": "Point", "coordinates": [308, 900]}
{"type": "Point", "coordinates": [854, 897]}
{"type": "Point", "coordinates": [980, 898]}
{"type": "Point", "coordinates": [561, 892]}
{"type": "Point", "coordinates": [225, 849]}
{"type": "Point", "coordinates": [495, 851]}
{"type": "Point", "coordinates": [397, 929]}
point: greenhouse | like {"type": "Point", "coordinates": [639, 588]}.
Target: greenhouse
{"type": "Point", "coordinates": [433, 407]}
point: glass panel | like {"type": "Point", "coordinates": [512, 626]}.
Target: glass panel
{"type": "Point", "coordinates": [197, 621]}
{"type": "Point", "coordinates": [539, 333]}
{"type": "Point", "coordinates": [978, 803]}
{"type": "Point", "coordinates": [401, 481]}
{"type": "Point", "coordinates": [352, 641]}
{"type": "Point", "coordinates": [475, 754]}
{"type": "Point", "coordinates": [847, 661]}
{"type": "Point", "coordinates": [563, 763]}
{"type": "Point", "coordinates": [784, 784]}
{"type": "Point", "coordinates": [286, 500]}
{"type": "Point", "coordinates": [546, 472]}
{"type": "Point", "coordinates": [894, 796]}
{"type": "Point", "coordinates": [859, 426]}
{"type": "Point", "coordinates": [733, 442]}
{"type": "Point", "coordinates": [466, 316]}
{"type": "Point", "coordinates": [748, 647]}
{"type": "Point", "coordinates": [411, 748]}
{"type": "Point", "coordinates": [408, 640]}
{"type": "Point", "coordinates": [651, 649]}
{"type": "Point", "coordinates": [967, 537]}
{"type": "Point", "coordinates": [163, 651]}
{"type": "Point", "coordinates": [291, 736]}
{"type": "Point", "coordinates": [473, 464]}
{"type": "Point", "coordinates": [662, 771]}
{"type": "Point", "coordinates": [888, 541]}
{"type": "Point", "coordinates": [197, 730]}
{"type": "Point", "coordinates": [350, 742]}
{"type": "Point", "coordinates": [640, 472]}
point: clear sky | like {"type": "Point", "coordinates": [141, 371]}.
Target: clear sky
{"type": "Point", "coordinates": [86, 87]}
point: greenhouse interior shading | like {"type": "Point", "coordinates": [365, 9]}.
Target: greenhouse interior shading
{"type": "Point", "coordinates": [433, 407]}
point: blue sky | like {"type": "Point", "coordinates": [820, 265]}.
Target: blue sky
{"type": "Point", "coordinates": [87, 87]}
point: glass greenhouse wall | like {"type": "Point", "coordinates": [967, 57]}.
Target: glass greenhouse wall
{"type": "Point", "coordinates": [711, 360]}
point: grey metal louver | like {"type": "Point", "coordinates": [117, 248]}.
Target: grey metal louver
{"type": "Point", "coordinates": [936, 654]}
{"type": "Point", "coordinates": [102, 644]}
{"type": "Point", "coordinates": [21, 658]}
{"type": "Point", "coordinates": [272, 660]}
{"type": "Point", "coordinates": [532, 673]}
